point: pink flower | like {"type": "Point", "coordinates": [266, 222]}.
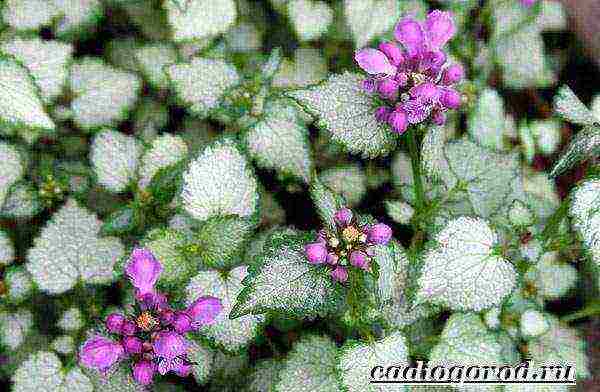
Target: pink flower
{"type": "Point", "coordinates": [100, 353]}
{"type": "Point", "coordinates": [420, 85]}
{"type": "Point", "coordinates": [343, 217]}
{"type": "Point", "coordinates": [359, 260]}
{"type": "Point", "coordinates": [114, 322]}
{"type": "Point", "coordinates": [143, 372]}
{"type": "Point", "coordinates": [380, 234]}
{"type": "Point", "coordinates": [204, 311]}
{"type": "Point", "coordinates": [316, 252]}
{"type": "Point", "coordinates": [143, 271]}
{"type": "Point", "coordinates": [528, 3]}
{"type": "Point", "coordinates": [169, 347]}
{"type": "Point", "coordinates": [339, 274]}
{"type": "Point", "coordinates": [132, 345]}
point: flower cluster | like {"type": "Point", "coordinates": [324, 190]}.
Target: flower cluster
{"type": "Point", "coordinates": [154, 336]}
{"type": "Point", "coordinates": [415, 83]}
{"type": "Point", "coordinates": [349, 244]}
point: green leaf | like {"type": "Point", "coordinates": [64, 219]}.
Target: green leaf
{"type": "Point", "coordinates": [310, 18]}
{"type": "Point", "coordinates": [168, 246]}
{"type": "Point", "coordinates": [487, 123]}
{"type": "Point", "coordinates": [326, 202]}
{"type": "Point", "coordinates": [280, 141]}
{"type": "Point", "coordinates": [370, 18]}
{"type": "Point", "coordinates": [220, 239]}
{"type": "Point", "coordinates": [47, 61]}
{"type": "Point", "coordinates": [462, 272]}
{"type": "Point", "coordinates": [119, 222]}
{"type": "Point", "coordinates": [585, 145]}
{"type": "Point", "coordinates": [465, 340]}
{"type": "Point", "coordinates": [283, 280]}
{"type": "Point", "coordinates": [166, 183]}
{"type": "Point", "coordinates": [272, 65]}
{"type": "Point", "coordinates": [356, 360]}
{"type": "Point", "coordinates": [492, 180]}
{"type": "Point", "coordinates": [349, 181]}
{"type": "Point", "coordinates": [348, 114]}
{"type": "Point", "coordinates": [20, 103]}
{"type": "Point", "coordinates": [570, 108]}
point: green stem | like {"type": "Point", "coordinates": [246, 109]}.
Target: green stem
{"type": "Point", "coordinates": [592, 309]}
{"type": "Point", "coordinates": [554, 221]}
{"type": "Point", "coordinates": [413, 150]}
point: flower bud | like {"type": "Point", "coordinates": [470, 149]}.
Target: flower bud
{"type": "Point", "coordinates": [388, 89]}
{"type": "Point", "coordinates": [143, 270]}
{"type": "Point", "coordinates": [133, 345]}
{"type": "Point", "coordinates": [343, 217]}
{"type": "Point", "coordinates": [379, 234]}
{"type": "Point", "coordinates": [359, 260]}
{"type": "Point", "coordinates": [182, 323]}
{"type": "Point", "coordinates": [438, 117]}
{"type": "Point", "coordinates": [332, 259]}
{"type": "Point", "coordinates": [393, 52]}
{"type": "Point", "coordinates": [167, 316]}
{"type": "Point", "coordinates": [100, 353]}
{"type": "Point", "coordinates": [451, 99]}
{"type": "Point", "coordinates": [114, 322]}
{"type": "Point", "coordinates": [129, 328]}
{"type": "Point", "coordinates": [339, 274]}
{"type": "Point", "coordinates": [398, 121]}
{"type": "Point", "coordinates": [316, 253]}
{"type": "Point", "coordinates": [143, 372]}
{"type": "Point", "coordinates": [204, 311]}
{"type": "Point", "coordinates": [382, 113]}
{"type": "Point", "coordinates": [453, 74]}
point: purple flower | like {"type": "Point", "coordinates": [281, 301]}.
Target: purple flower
{"type": "Point", "coordinates": [114, 322]}
{"type": "Point", "coordinates": [169, 347]}
{"type": "Point", "coordinates": [129, 328]}
{"type": "Point", "coordinates": [332, 258]}
{"type": "Point", "coordinates": [379, 234]}
{"type": "Point", "coordinates": [413, 79]}
{"type": "Point", "coordinates": [100, 353]}
{"type": "Point", "coordinates": [183, 369]}
{"type": "Point", "coordinates": [343, 217]}
{"type": "Point", "coordinates": [143, 271]}
{"type": "Point", "coordinates": [204, 311]}
{"type": "Point", "coordinates": [182, 323]}
{"type": "Point", "coordinates": [374, 62]}
{"type": "Point", "coordinates": [359, 260]}
{"type": "Point", "coordinates": [316, 252]}
{"type": "Point", "coordinates": [133, 345]}
{"type": "Point", "coordinates": [152, 338]}
{"type": "Point", "coordinates": [143, 372]}
{"type": "Point", "coordinates": [339, 274]}
{"type": "Point", "coordinates": [398, 120]}
{"type": "Point", "coordinates": [528, 3]}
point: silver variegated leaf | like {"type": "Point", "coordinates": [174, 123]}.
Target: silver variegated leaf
{"type": "Point", "coordinates": [357, 359]}
{"type": "Point", "coordinates": [228, 334]}
{"type": "Point", "coordinates": [462, 272]}
{"type": "Point", "coordinates": [348, 114]}
{"type": "Point", "coordinates": [282, 280]}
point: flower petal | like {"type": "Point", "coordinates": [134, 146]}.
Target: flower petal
{"type": "Point", "coordinates": [374, 62]}
{"type": "Point", "coordinates": [409, 33]}
{"type": "Point", "coordinates": [204, 311]}
{"type": "Point", "coordinates": [143, 271]}
{"type": "Point", "coordinates": [440, 28]}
